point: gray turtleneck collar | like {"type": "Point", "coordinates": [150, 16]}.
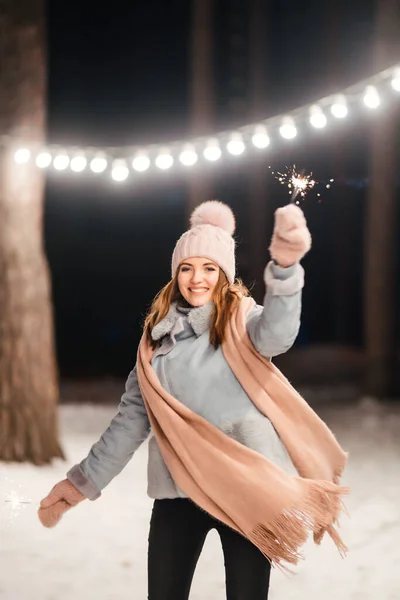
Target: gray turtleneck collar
{"type": "Point", "coordinates": [198, 319]}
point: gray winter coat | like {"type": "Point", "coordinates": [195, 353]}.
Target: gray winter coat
{"type": "Point", "coordinates": [197, 374]}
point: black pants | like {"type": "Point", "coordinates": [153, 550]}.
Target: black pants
{"type": "Point", "coordinates": [178, 530]}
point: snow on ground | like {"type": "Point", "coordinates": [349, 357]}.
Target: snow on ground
{"type": "Point", "coordinates": [98, 551]}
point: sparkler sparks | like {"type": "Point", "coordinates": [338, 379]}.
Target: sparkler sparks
{"type": "Point", "coordinates": [14, 502]}
{"type": "Point", "coordinates": [298, 182]}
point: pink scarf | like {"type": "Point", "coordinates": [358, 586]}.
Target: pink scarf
{"type": "Point", "coordinates": [274, 510]}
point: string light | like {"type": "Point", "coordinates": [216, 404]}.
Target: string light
{"type": "Point", "coordinates": [339, 107]}
{"type": "Point", "coordinates": [236, 145]}
{"type": "Point", "coordinates": [98, 164]}
{"type": "Point", "coordinates": [61, 162]}
{"type": "Point", "coordinates": [188, 156]}
{"type": "Point", "coordinates": [257, 136]}
{"type": "Point", "coordinates": [212, 152]}
{"type": "Point", "coordinates": [371, 97]}
{"type": "Point", "coordinates": [78, 163]}
{"type": "Point", "coordinates": [396, 80]}
{"type": "Point", "coordinates": [43, 160]}
{"type": "Point", "coordinates": [260, 137]}
{"type": "Point", "coordinates": [22, 156]}
{"type": "Point", "coordinates": [120, 170]}
{"type": "Point", "coordinates": [141, 162]}
{"type": "Point", "coordinates": [288, 128]}
{"type": "Point", "coordinates": [164, 160]}
{"type": "Point", "coordinates": [317, 117]}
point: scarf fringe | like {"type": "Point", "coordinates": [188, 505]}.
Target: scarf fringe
{"type": "Point", "coordinates": [316, 513]}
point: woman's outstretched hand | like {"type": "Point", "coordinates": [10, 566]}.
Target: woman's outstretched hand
{"type": "Point", "coordinates": [62, 497]}
{"type": "Point", "coordinates": [291, 238]}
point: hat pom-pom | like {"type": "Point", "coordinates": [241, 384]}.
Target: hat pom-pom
{"type": "Point", "coordinates": [214, 213]}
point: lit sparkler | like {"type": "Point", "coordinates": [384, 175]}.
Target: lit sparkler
{"type": "Point", "coordinates": [15, 503]}
{"type": "Point", "coordinates": [298, 182]}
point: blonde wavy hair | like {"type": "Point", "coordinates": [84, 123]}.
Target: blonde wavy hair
{"type": "Point", "coordinates": [226, 298]}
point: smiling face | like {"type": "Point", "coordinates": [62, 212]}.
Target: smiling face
{"type": "Point", "coordinates": [197, 279]}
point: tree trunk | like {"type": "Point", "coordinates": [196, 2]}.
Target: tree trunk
{"type": "Point", "coordinates": [28, 377]}
{"type": "Point", "coordinates": [343, 267]}
{"type": "Point", "coordinates": [258, 190]}
{"type": "Point", "coordinates": [380, 240]}
{"type": "Point", "coordinates": [202, 93]}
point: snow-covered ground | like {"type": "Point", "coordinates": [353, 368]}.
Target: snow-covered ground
{"type": "Point", "coordinates": [98, 551]}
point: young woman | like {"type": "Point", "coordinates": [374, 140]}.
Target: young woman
{"type": "Point", "coordinates": [232, 446]}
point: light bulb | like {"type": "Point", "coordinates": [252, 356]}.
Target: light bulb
{"type": "Point", "coordinates": [61, 162]}
{"type": "Point", "coordinates": [339, 108]}
{"type": "Point", "coordinates": [78, 163]}
{"type": "Point", "coordinates": [371, 97]}
{"type": "Point", "coordinates": [141, 162]}
{"type": "Point", "coordinates": [396, 80]}
{"type": "Point", "coordinates": [212, 152]}
{"type": "Point", "coordinates": [22, 156]}
{"type": "Point", "coordinates": [260, 137]}
{"type": "Point", "coordinates": [164, 161]}
{"type": "Point", "coordinates": [317, 117]}
{"type": "Point", "coordinates": [188, 156]}
{"type": "Point", "coordinates": [119, 171]}
{"type": "Point", "coordinates": [236, 145]}
{"type": "Point", "coordinates": [43, 160]}
{"type": "Point", "coordinates": [98, 164]}
{"type": "Point", "coordinates": [288, 128]}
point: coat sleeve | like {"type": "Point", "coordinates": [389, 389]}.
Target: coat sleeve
{"type": "Point", "coordinates": [107, 457]}
{"type": "Point", "coordinates": [273, 327]}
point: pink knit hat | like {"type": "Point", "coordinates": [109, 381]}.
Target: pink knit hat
{"type": "Point", "coordinates": [210, 236]}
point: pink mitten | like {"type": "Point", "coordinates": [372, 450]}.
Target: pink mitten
{"type": "Point", "coordinates": [62, 497]}
{"type": "Point", "coordinates": [291, 239]}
